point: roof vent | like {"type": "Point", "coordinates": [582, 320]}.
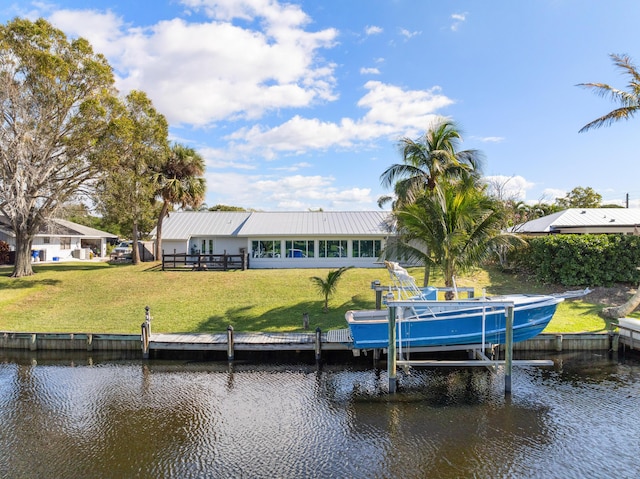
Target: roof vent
{"type": "Point", "coordinates": [582, 212]}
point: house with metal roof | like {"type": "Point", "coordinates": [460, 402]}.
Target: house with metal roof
{"type": "Point", "coordinates": [61, 239]}
{"type": "Point", "coordinates": [307, 239]}
{"type": "Point", "coordinates": [584, 221]}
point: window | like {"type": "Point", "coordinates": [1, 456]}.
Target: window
{"type": "Point", "coordinates": [300, 249]}
{"type": "Point", "coordinates": [366, 248]}
{"type": "Point", "coordinates": [332, 248]}
{"type": "Point", "coordinates": [65, 242]}
{"type": "Point", "coordinates": [46, 240]}
{"type": "Point", "coordinates": [266, 249]}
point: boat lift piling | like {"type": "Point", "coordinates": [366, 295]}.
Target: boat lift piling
{"type": "Point", "coordinates": [508, 349]}
{"type": "Point", "coordinates": [391, 353]}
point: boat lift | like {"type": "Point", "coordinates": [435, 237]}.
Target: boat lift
{"type": "Point", "coordinates": [394, 306]}
{"type": "Point", "coordinates": [402, 294]}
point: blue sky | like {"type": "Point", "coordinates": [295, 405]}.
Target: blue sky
{"type": "Point", "coordinates": [301, 105]}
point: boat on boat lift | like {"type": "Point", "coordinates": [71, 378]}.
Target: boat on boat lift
{"type": "Point", "coordinates": [424, 321]}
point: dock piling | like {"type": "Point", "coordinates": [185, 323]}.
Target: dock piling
{"type": "Point", "coordinates": [230, 347]}
{"type": "Point", "coordinates": [318, 344]}
{"type": "Point", "coordinates": [146, 333]}
{"type": "Point", "coordinates": [559, 342]}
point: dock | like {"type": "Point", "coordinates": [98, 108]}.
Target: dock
{"type": "Point", "coordinates": [332, 340]}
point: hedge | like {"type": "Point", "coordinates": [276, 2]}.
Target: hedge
{"type": "Point", "coordinates": [582, 260]}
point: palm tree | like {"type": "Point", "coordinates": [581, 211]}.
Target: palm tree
{"type": "Point", "coordinates": [179, 182]}
{"type": "Point", "coordinates": [327, 286]}
{"type": "Point", "coordinates": [426, 160]}
{"type": "Point", "coordinates": [458, 228]}
{"type": "Point", "coordinates": [629, 100]}
{"type": "Point", "coordinates": [629, 105]}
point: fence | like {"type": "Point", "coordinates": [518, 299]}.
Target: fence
{"type": "Point", "coordinates": [205, 262]}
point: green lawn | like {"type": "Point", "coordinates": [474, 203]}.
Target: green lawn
{"type": "Point", "coordinates": [104, 298]}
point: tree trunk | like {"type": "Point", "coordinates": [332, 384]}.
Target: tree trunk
{"type": "Point", "coordinates": [615, 312]}
{"type": "Point", "coordinates": [158, 247]}
{"type": "Point", "coordinates": [427, 275]}
{"type": "Point", "coordinates": [448, 282]}
{"type": "Point", "coordinates": [135, 253]}
{"type": "Point", "coordinates": [22, 265]}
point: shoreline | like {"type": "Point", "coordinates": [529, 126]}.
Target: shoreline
{"type": "Point", "coordinates": [222, 344]}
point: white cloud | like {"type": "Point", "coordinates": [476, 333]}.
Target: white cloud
{"type": "Point", "coordinates": [489, 139]}
{"type": "Point", "coordinates": [373, 30]}
{"type": "Point", "coordinates": [508, 187]}
{"type": "Point", "coordinates": [549, 195]}
{"type": "Point", "coordinates": [409, 34]}
{"type": "Point", "coordinates": [369, 71]}
{"type": "Point", "coordinates": [391, 112]}
{"type": "Point", "coordinates": [201, 73]}
{"type": "Point", "coordinates": [458, 19]}
{"type": "Point", "coordinates": [296, 192]}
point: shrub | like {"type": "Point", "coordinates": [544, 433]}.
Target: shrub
{"type": "Point", "coordinates": [582, 260]}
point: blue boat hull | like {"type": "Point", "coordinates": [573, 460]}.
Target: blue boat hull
{"type": "Point", "coordinates": [440, 325]}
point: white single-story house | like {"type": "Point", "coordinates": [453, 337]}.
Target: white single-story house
{"type": "Point", "coordinates": [584, 221]}
{"type": "Point", "coordinates": [308, 239]}
{"type": "Point", "coordinates": [61, 240]}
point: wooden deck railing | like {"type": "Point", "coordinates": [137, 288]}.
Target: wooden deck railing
{"type": "Point", "coordinates": [204, 262]}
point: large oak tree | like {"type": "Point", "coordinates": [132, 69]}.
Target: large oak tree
{"type": "Point", "coordinates": [56, 101]}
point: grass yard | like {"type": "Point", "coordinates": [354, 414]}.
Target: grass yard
{"type": "Point", "coordinates": [104, 298]}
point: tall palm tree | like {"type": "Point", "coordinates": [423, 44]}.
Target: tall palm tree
{"type": "Point", "coordinates": [629, 100]}
{"type": "Point", "coordinates": [457, 228]}
{"type": "Point", "coordinates": [426, 160]}
{"type": "Point", "coordinates": [179, 182]}
{"type": "Point", "coordinates": [327, 286]}
{"type": "Point", "coordinates": [629, 105]}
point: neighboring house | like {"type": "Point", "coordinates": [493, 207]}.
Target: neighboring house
{"type": "Point", "coordinates": [61, 240]}
{"type": "Point", "coordinates": [583, 221]}
{"type": "Point", "coordinates": [281, 239]}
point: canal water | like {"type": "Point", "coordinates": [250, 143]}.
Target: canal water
{"type": "Point", "coordinates": [86, 416]}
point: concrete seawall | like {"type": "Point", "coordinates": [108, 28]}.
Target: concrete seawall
{"type": "Point", "coordinates": [132, 342]}
{"type": "Point", "coordinates": [70, 341]}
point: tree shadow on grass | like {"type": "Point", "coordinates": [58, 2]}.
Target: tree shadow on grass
{"type": "Point", "coordinates": [284, 319]}
{"type": "Point", "coordinates": [70, 266]}
{"type": "Point", "coordinates": [29, 282]}
{"type": "Point", "coordinates": [154, 267]}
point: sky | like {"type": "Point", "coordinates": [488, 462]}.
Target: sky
{"type": "Point", "coordinates": [301, 105]}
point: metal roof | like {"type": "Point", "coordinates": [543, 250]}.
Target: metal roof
{"type": "Point", "coordinates": [580, 218]}
{"type": "Point", "coordinates": [58, 227]}
{"type": "Point", "coordinates": [316, 223]}
{"type": "Point", "coordinates": [184, 225]}
{"type": "Point", "coordinates": [73, 229]}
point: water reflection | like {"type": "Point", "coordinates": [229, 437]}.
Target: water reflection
{"type": "Point", "coordinates": [87, 416]}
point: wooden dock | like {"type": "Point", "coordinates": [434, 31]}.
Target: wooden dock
{"type": "Point", "coordinates": [245, 342]}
